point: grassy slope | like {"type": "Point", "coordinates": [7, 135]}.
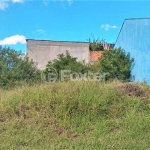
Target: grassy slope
{"type": "Point", "coordinates": [74, 115]}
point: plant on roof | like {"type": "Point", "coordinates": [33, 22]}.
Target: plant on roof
{"type": "Point", "coordinates": [94, 43]}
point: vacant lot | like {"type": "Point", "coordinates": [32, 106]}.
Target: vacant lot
{"type": "Point", "coordinates": [76, 115]}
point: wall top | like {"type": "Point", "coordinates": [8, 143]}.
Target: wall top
{"type": "Point", "coordinates": [57, 43]}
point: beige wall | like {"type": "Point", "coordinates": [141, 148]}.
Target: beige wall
{"type": "Point", "coordinates": [43, 51]}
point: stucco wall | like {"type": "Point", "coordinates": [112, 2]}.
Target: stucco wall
{"type": "Point", "coordinates": [43, 51]}
{"type": "Point", "coordinates": [134, 37]}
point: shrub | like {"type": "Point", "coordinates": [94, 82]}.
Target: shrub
{"type": "Point", "coordinates": [116, 63]}
{"type": "Point", "coordinates": [67, 62]}
{"type": "Point", "coordinates": [16, 68]}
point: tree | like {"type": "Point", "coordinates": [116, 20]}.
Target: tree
{"type": "Point", "coordinates": [16, 68]}
{"type": "Point", "coordinates": [66, 62]}
{"type": "Point", "coordinates": [116, 63]}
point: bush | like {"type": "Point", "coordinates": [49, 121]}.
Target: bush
{"type": "Point", "coordinates": [67, 62]}
{"type": "Point", "coordinates": [15, 68]}
{"type": "Point", "coordinates": [117, 64]}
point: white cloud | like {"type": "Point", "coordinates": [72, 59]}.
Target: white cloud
{"type": "Point", "coordinates": [66, 2]}
{"type": "Point", "coordinates": [17, 1]}
{"type": "Point", "coordinates": [40, 30]}
{"type": "Point", "coordinates": [107, 26]}
{"type": "Point", "coordinates": [70, 2]}
{"type": "Point", "coordinates": [12, 40]}
{"type": "Point", "coordinates": [45, 2]}
{"type": "Point", "coordinates": [5, 3]}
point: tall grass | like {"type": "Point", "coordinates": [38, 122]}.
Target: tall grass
{"type": "Point", "coordinates": [74, 115]}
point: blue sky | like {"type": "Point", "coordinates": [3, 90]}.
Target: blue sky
{"type": "Point", "coordinates": [65, 20]}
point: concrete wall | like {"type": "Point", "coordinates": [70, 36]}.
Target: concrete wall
{"type": "Point", "coordinates": [42, 51]}
{"type": "Point", "coordinates": [134, 38]}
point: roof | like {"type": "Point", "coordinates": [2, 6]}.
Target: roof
{"type": "Point", "coordinates": [126, 20]}
{"type": "Point", "coordinates": [56, 41]}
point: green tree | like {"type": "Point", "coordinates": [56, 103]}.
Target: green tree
{"type": "Point", "coordinates": [116, 63]}
{"type": "Point", "coordinates": [15, 68]}
{"type": "Point", "coordinates": [67, 62]}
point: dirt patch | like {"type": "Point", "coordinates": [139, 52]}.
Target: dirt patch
{"type": "Point", "coordinates": [136, 90]}
{"type": "Point", "coordinates": [115, 130]}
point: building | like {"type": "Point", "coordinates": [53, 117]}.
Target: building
{"type": "Point", "coordinates": [96, 54]}
{"type": "Point", "coordinates": [42, 51]}
{"type": "Point", "coordinates": [134, 37]}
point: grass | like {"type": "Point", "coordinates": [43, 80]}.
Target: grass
{"type": "Point", "coordinates": [75, 115]}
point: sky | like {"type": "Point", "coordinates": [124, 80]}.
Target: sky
{"type": "Point", "coordinates": [65, 20]}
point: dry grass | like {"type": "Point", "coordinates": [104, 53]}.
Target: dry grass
{"type": "Point", "coordinates": [75, 115]}
{"type": "Point", "coordinates": [136, 90]}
